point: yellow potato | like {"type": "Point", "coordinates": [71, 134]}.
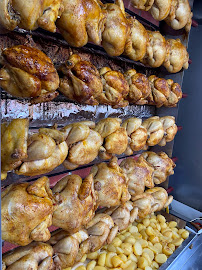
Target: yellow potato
{"type": "Point", "coordinates": [91, 265]}
{"type": "Point", "coordinates": [158, 227]}
{"type": "Point", "coordinates": [123, 257]}
{"type": "Point", "coordinates": [146, 222]}
{"type": "Point", "coordinates": [102, 259]}
{"type": "Point", "coordinates": [175, 230]}
{"type": "Point", "coordinates": [178, 241]}
{"type": "Point", "coordinates": [148, 268]}
{"type": "Point", "coordinates": [81, 267]}
{"type": "Point", "coordinates": [141, 227]}
{"type": "Point", "coordinates": [133, 229]}
{"type": "Point", "coordinates": [163, 225]}
{"type": "Point", "coordinates": [127, 248]}
{"type": "Point", "coordinates": [172, 224]}
{"type": "Point", "coordinates": [132, 257]}
{"type": "Point", "coordinates": [137, 236]}
{"type": "Point", "coordinates": [171, 246]}
{"type": "Point", "coordinates": [147, 257]}
{"type": "Point", "coordinates": [119, 250]}
{"type": "Point", "coordinates": [137, 248]}
{"type": "Point", "coordinates": [132, 266]}
{"type": "Point", "coordinates": [92, 256]}
{"type": "Point", "coordinates": [100, 268]}
{"type": "Point", "coordinates": [150, 253]}
{"type": "Point", "coordinates": [153, 216]}
{"type": "Point", "coordinates": [144, 235]}
{"type": "Point", "coordinates": [116, 242]}
{"type": "Point", "coordinates": [143, 243]}
{"type": "Point", "coordinates": [154, 249]}
{"type": "Point", "coordinates": [83, 259]}
{"type": "Point", "coordinates": [121, 237]}
{"type": "Point", "coordinates": [160, 258]}
{"type": "Point", "coordinates": [153, 220]}
{"type": "Point", "coordinates": [130, 240]}
{"type": "Point", "coordinates": [153, 225]}
{"type": "Point", "coordinates": [167, 251]}
{"type": "Point", "coordinates": [127, 234]}
{"type": "Point", "coordinates": [109, 256]}
{"type": "Point", "coordinates": [185, 234]}
{"type": "Point", "coordinates": [68, 268]}
{"type": "Point", "coordinates": [150, 244]}
{"type": "Point", "coordinates": [180, 231]}
{"type": "Point", "coordinates": [154, 265]}
{"type": "Point", "coordinates": [167, 233]}
{"type": "Point", "coordinates": [116, 261]}
{"type": "Point", "coordinates": [154, 239]}
{"type": "Point", "coordinates": [161, 218]}
{"type": "Point", "coordinates": [142, 263]}
{"type": "Point", "coordinates": [175, 235]}
{"type": "Point", "coordinates": [150, 231]}
{"type": "Point", "coordinates": [126, 264]}
{"type": "Point", "coordinates": [158, 246]}
{"type": "Point", "coordinates": [111, 248]}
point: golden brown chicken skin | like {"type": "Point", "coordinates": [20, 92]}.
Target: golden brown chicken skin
{"type": "Point", "coordinates": [81, 81]}
{"type": "Point", "coordinates": [28, 72]}
{"type": "Point", "coordinates": [142, 4]}
{"type": "Point", "coordinates": [26, 212]}
{"type": "Point", "coordinates": [76, 201]}
{"type": "Point", "coordinates": [160, 9]}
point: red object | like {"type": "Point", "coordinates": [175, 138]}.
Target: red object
{"type": "Point", "coordinates": [194, 23]}
{"type": "Point", "coordinates": [190, 61]}
{"type": "Point", "coordinates": [174, 159]}
{"type": "Point", "coordinates": [169, 189]}
{"type": "Point", "coordinates": [184, 95]}
{"type": "Point", "coordinates": [179, 128]}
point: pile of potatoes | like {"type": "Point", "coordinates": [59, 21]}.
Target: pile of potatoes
{"type": "Point", "coordinates": [146, 245]}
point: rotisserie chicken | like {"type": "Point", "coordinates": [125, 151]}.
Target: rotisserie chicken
{"type": "Point", "coordinates": [170, 129]}
{"type": "Point", "coordinates": [110, 183]}
{"type": "Point", "coordinates": [160, 9]}
{"type": "Point", "coordinates": [26, 212]}
{"type": "Point", "coordinates": [27, 72]}
{"type": "Point", "coordinates": [142, 4]}
{"type": "Point", "coordinates": [143, 202]}
{"type": "Point", "coordinates": [76, 200]}
{"type": "Point", "coordinates": [81, 81]}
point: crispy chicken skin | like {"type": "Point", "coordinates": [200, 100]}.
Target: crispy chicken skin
{"type": "Point", "coordinates": [177, 56]}
{"type": "Point", "coordinates": [76, 201]}
{"type": "Point", "coordinates": [68, 249]}
{"type": "Point", "coordinates": [170, 129]}
{"type": "Point", "coordinates": [26, 212]}
{"type": "Point", "coordinates": [81, 81]}
{"type": "Point", "coordinates": [115, 88]}
{"type": "Point", "coordinates": [13, 144]}
{"type": "Point", "coordinates": [30, 14]}
{"type": "Point", "coordinates": [28, 72]}
{"type": "Point", "coordinates": [142, 4]}
{"type": "Point", "coordinates": [163, 165]}
{"type": "Point", "coordinates": [110, 183]}
{"type": "Point", "coordinates": [136, 43]}
{"type": "Point", "coordinates": [116, 30]}
{"type": "Point", "coordinates": [35, 256]}
{"type": "Point", "coordinates": [82, 21]}
{"type": "Point", "coordinates": [160, 9]}
{"type": "Point", "coordinates": [143, 202]}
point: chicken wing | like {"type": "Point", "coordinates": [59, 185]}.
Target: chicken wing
{"type": "Point", "coordinates": [115, 88]}
{"type": "Point", "coordinates": [177, 56]}
{"type": "Point", "coordinates": [28, 72]}
{"type": "Point", "coordinates": [156, 49]}
{"type": "Point", "coordinates": [35, 256]}
{"type": "Point", "coordinates": [81, 81]}
{"type": "Point", "coordinates": [110, 183]}
{"type": "Point", "coordinates": [76, 201]}
{"type": "Point", "coordinates": [13, 144]}
{"type": "Point", "coordinates": [115, 137]}
{"type": "Point", "coordinates": [160, 9]}
{"type": "Point", "coordinates": [139, 87]}
{"type": "Point", "coordinates": [163, 165]}
{"type": "Point", "coordinates": [137, 135]}
{"type": "Point", "coordinates": [26, 212]}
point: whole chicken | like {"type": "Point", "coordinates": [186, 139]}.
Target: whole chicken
{"type": "Point", "coordinates": [68, 249]}
{"type": "Point", "coordinates": [142, 4]}
{"type": "Point", "coordinates": [155, 130]}
{"type": "Point", "coordinates": [82, 21]}
{"type": "Point", "coordinates": [156, 49]}
{"type": "Point", "coordinates": [116, 30]}
{"type": "Point", "coordinates": [180, 15]}
{"type": "Point", "coordinates": [122, 215]}
{"type": "Point", "coordinates": [136, 43]}
{"type": "Point", "coordinates": [13, 144]}
{"type": "Point", "coordinates": [44, 152]}
{"type": "Point", "coordinates": [139, 87]}
{"type": "Point", "coordinates": [175, 94]}
{"type": "Point", "coordinates": [177, 56]}
{"type": "Point", "coordinates": [76, 200]}
{"type": "Point", "coordinates": [144, 203]}
{"type": "Point", "coordinates": [27, 72]}
{"type": "Point", "coordinates": [35, 256]}
{"type": "Point", "coordinates": [81, 81]}
{"type": "Point", "coordinates": [110, 183]}
{"type": "Point", "coordinates": [101, 229]}
{"type": "Point", "coordinates": [115, 88]}
{"type": "Point", "coordinates": [139, 173]}
{"type": "Point", "coordinates": [30, 15]}
{"type": "Point", "coordinates": [161, 198]}
{"type": "Point", "coordinates": [162, 165]}
{"type": "Point", "coordinates": [160, 9]}
{"type": "Point", "coordinates": [115, 137]}
{"type": "Point", "coordinates": [170, 129]}
{"type": "Point", "coordinates": [26, 212]}
{"type": "Point", "coordinates": [137, 135]}
{"type": "Point", "coordinates": [83, 142]}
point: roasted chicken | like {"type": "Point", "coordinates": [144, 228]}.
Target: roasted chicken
{"type": "Point", "coordinates": [82, 21]}
{"type": "Point", "coordinates": [115, 137]}
{"type": "Point", "coordinates": [83, 142]}
{"type": "Point", "coordinates": [136, 43]}
{"type": "Point", "coordinates": [30, 14]}
{"type": "Point", "coordinates": [144, 204]}
{"type": "Point", "coordinates": [110, 183]}
{"type": "Point", "coordinates": [170, 129]}
{"type": "Point", "coordinates": [116, 30]}
{"type": "Point", "coordinates": [177, 56]}
{"type": "Point", "coordinates": [137, 135]}
{"type": "Point", "coordinates": [162, 165]}
{"type": "Point", "coordinates": [13, 144]}
{"type": "Point", "coordinates": [156, 50]}
{"type": "Point", "coordinates": [68, 248]}
{"type": "Point", "coordinates": [27, 72]}
{"type": "Point", "coordinates": [160, 9]}
{"type": "Point", "coordinates": [142, 4]}
{"type": "Point", "coordinates": [81, 81]}
{"type": "Point", "coordinates": [35, 256]}
{"type": "Point", "coordinates": [26, 212]}
{"type": "Point", "coordinates": [76, 200]}
{"type": "Point", "coordinates": [115, 88]}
